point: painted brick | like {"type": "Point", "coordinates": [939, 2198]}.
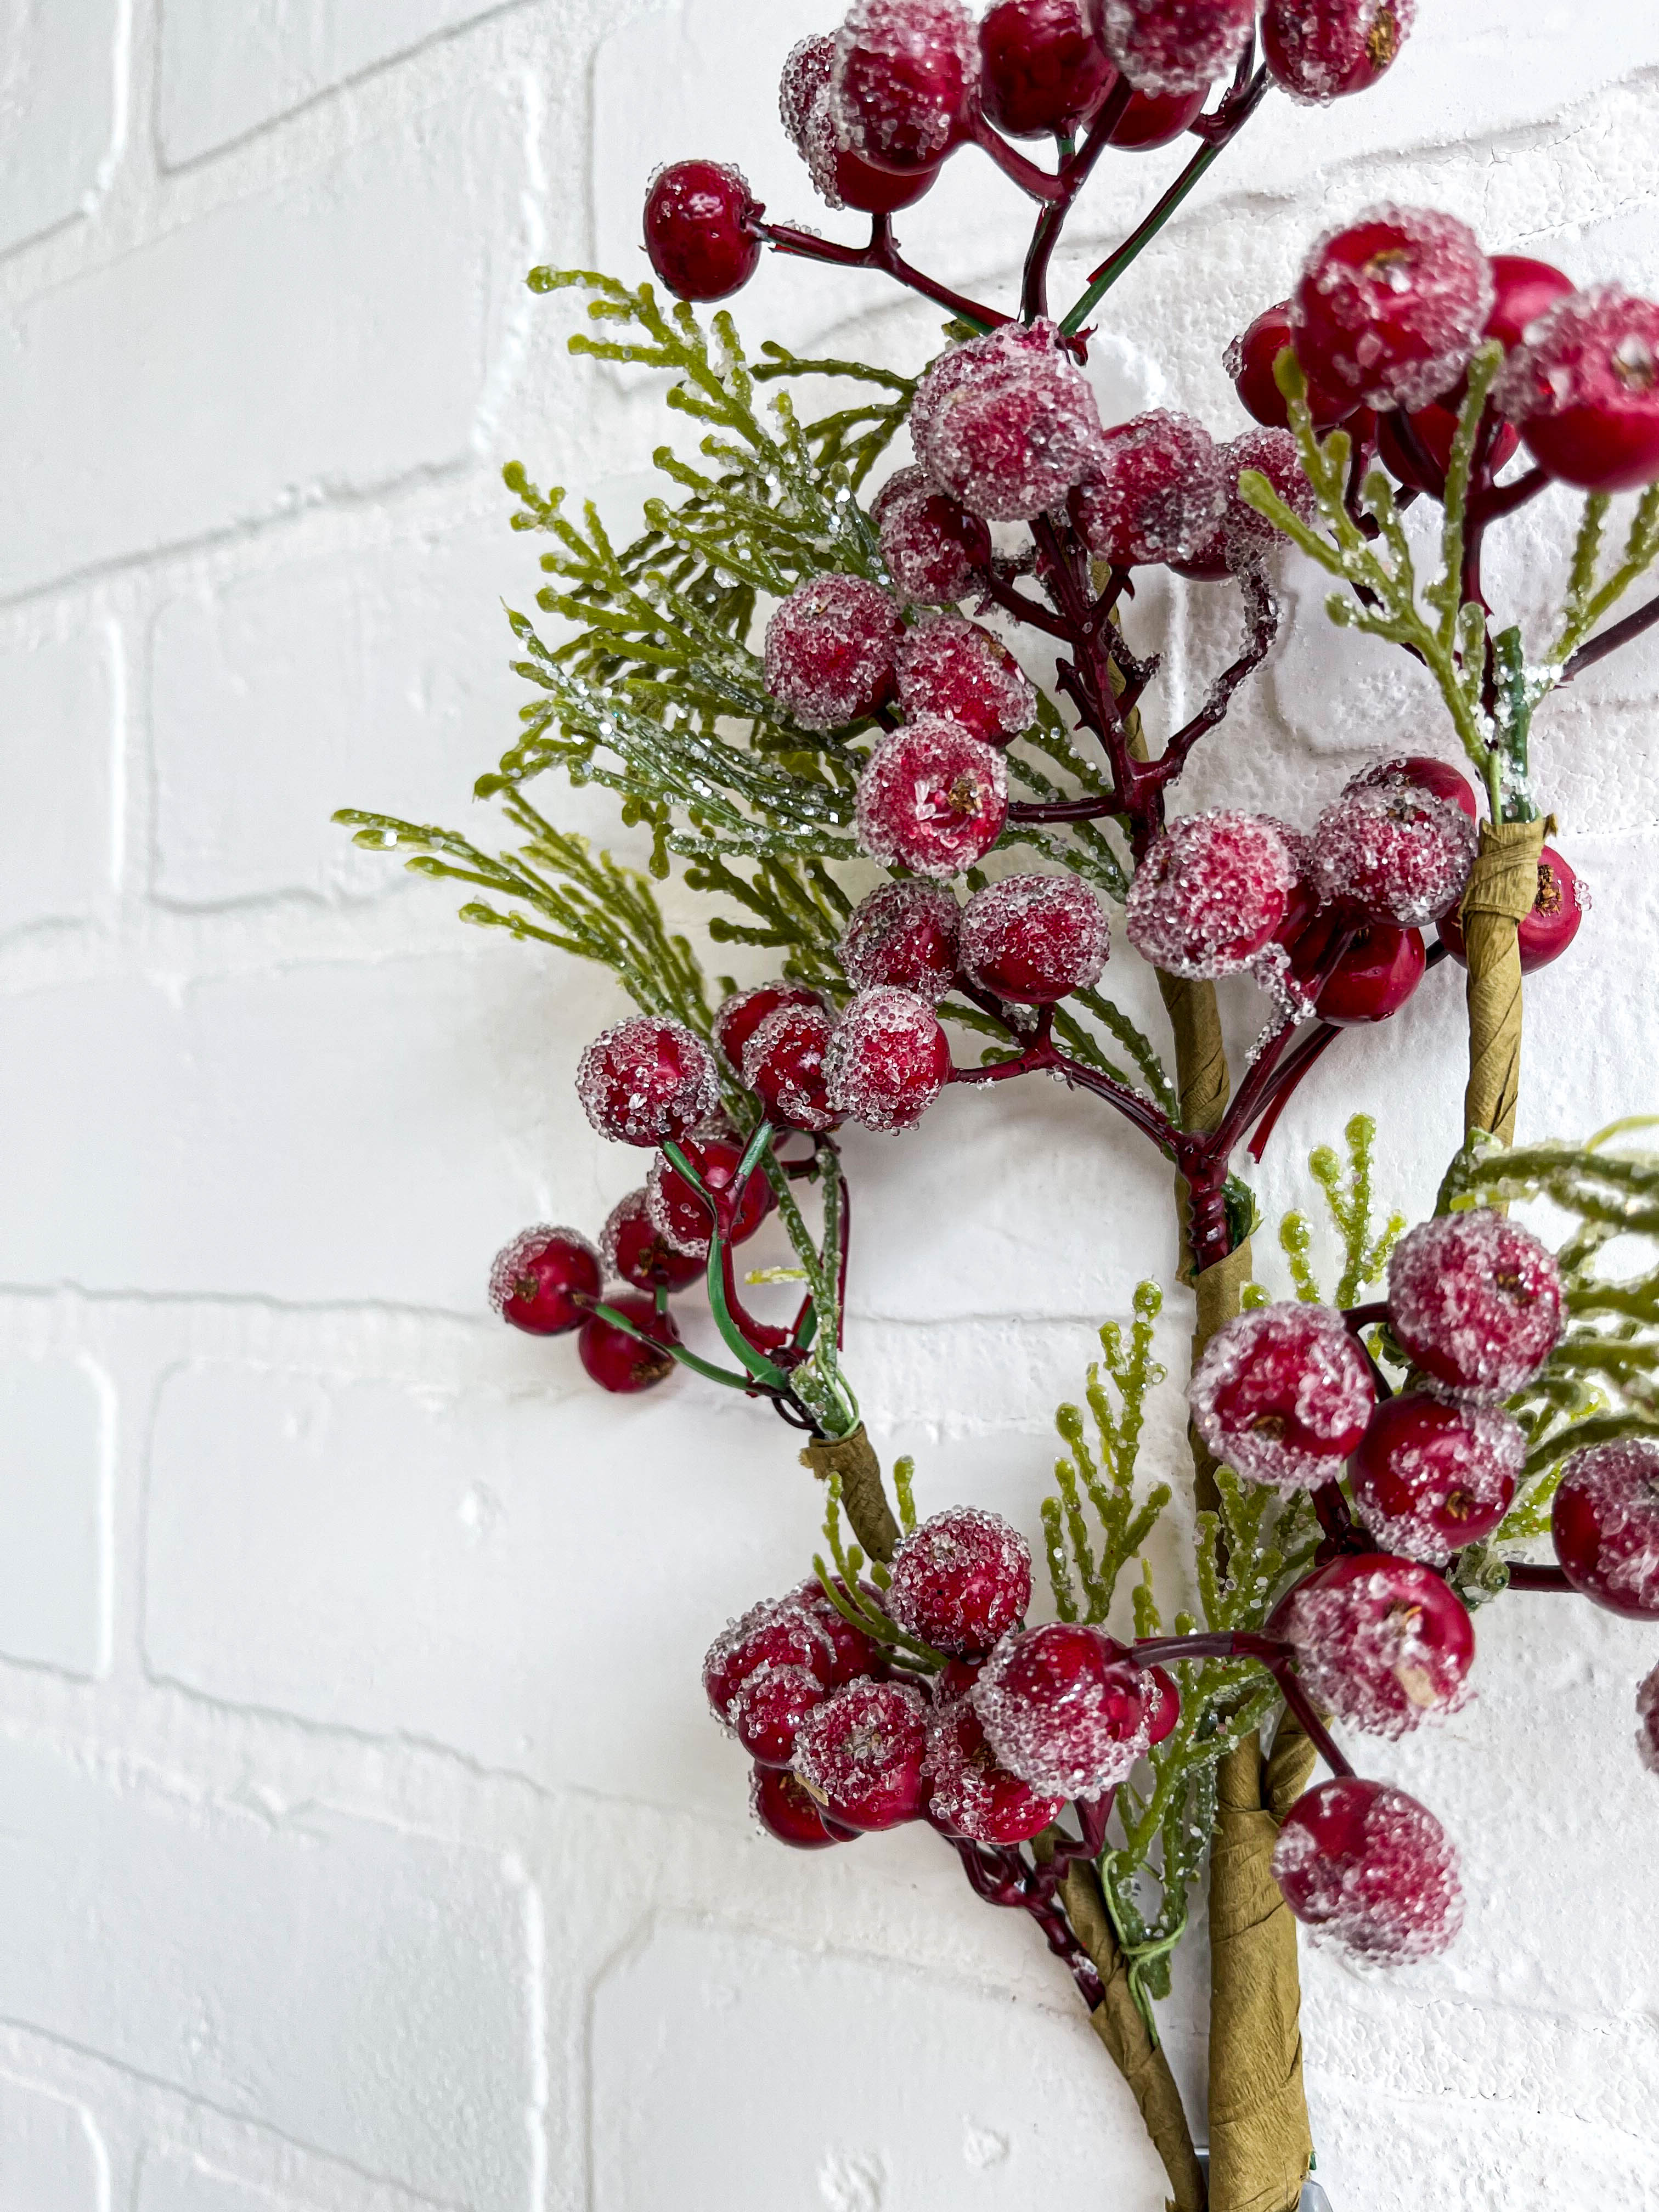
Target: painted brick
{"type": "Point", "coordinates": [58, 72]}
{"type": "Point", "coordinates": [54, 1511]}
{"type": "Point", "coordinates": [58, 739]}
{"type": "Point", "coordinates": [171, 2180]}
{"type": "Point", "coordinates": [52, 2156]}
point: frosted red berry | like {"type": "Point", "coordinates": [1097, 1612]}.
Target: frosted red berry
{"type": "Point", "coordinates": [952, 668]}
{"type": "Point", "coordinates": [1374, 978]}
{"type": "Point", "coordinates": [931, 799]}
{"type": "Point", "coordinates": [961, 1581]}
{"type": "Point", "coordinates": [936, 552]}
{"type": "Point", "coordinates": [969, 1793]}
{"type": "Point", "coordinates": [543, 1281]}
{"type": "Point", "coordinates": [679, 1212]}
{"type": "Point", "coordinates": [888, 1059]}
{"type": "Point", "coordinates": [1175, 45]}
{"type": "Point", "coordinates": [1390, 309]}
{"type": "Point", "coordinates": [1005, 423]}
{"type": "Point", "coordinates": [1428, 1477]}
{"type": "Point", "coordinates": [1155, 118]}
{"type": "Point", "coordinates": [783, 1065]}
{"type": "Point", "coordinates": [738, 1017]}
{"type": "Point", "coordinates": [768, 1708]}
{"type": "Point", "coordinates": [1060, 1709]}
{"type": "Point", "coordinates": [1250, 362]}
{"type": "Point", "coordinates": [1421, 770]}
{"type": "Point", "coordinates": [1522, 291]}
{"type": "Point", "coordinates": [1380, 1641]}
{"type": "Point", "coordinates": [854, 1653]}
{"type": "Point", "coordinates": [774, 1633]}
{"type": "Point", "coordinates": [1319, 50]}
{"type": "Point", "coordinates": [1584, 389]}
{"type": "Point", "coordinates": [904, 80]}
{"type": "Point", "coordinates": [1041, 69]}
{"type": "Point", "coordinates": [786, 1810]}
{"type": "Point", "coordinates": [1210, 893]}
{"type": "Point", "coordinates": [698, 229]}
{"type": "Point", "coordinates": [840, 177]}
{"type": "Point", "coordinates": [1371, 1868]}
{"type": "Point", "coordinates": [1476, 1300]}
{"type": "Point", "coordinates": [615, 1358]}
{"type": "Point", "coordinates": [1435, 427]}
{"type": "Point", "coordinates": [830, 651]}
{"type": "Point", "coordinates": [1034, 939]}
{"type": "Point", "coordinates": [1162, 1705]}
{"type": "Point", "coordinates": [906, 934]}
{"type": "Point", "coordinates": [1282, 1394]}
{"type": "Point", "coordinates": [1605, 1522]}
{"type": "Point", "coordinates": [1647, 1722]}
{"type": "Point", "coordinates": [1154, 493]}
{"type": "Point", "coordinates": [647, 1079]}
{"type": "Point", "coordinates": [1241, 536]}
{"type": "Point", "coordinates": [1558, 908]}
{"type": "Point", "coordinates": [633, 1247]}
{"type": "Point", "coordinates": [1393, 853]}
{"type": "Point", "coordinates": [860, 1754]}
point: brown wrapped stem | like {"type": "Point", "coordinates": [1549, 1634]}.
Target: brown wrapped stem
{"type": "Point", "coordinates": [1502, 889]}
{"type": "Point", "coordinates": [863, 1496]}
{"type": "Point", "coordinates": [1200, 1055]}
{"type": "Point", "coordinates": [1219, 1290]}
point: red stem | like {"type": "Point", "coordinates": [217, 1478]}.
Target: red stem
{"type": "Point", "coordinates": [1034, 288]}
{"type": "Point", "coordinates": [1540, 1578]}
{"type": "Point", "coordinates": [881, 254]}
{"type": "Point", "coordinates": [1620, 633]}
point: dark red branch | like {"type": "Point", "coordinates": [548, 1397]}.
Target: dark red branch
{"type": "Point", "coordinates": [881, 254]}
{"type": "Point", "coordinates": [1540, 1578]}
{"type": "Point", "coordinates": [1034, 288]}
{"type": "Point", "coordinates": [1620, 633]}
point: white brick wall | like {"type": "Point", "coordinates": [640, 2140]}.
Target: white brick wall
{"type": "Point", "coordinates": [363, 1846]}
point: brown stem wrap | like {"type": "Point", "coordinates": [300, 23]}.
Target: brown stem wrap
{"type": "Point", "coordinates": [1502, 889]}
{"type": "Point", "coordinates": [1219, 1291]}
{"type": "Point", "coordinates": [863, 1495]}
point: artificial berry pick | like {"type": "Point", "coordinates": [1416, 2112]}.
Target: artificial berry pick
{"type": "Point", "coordinates": [699, 230]}
{"type": "Point", "coordinates": [1371, 1868]}
{"type": "Point", "coordinates": [545, 1280]}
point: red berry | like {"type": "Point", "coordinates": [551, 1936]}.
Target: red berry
{"type": "Point", "coordinates": [1155, 118]}
{"type": "Point", "coordinates": [1390, 309]}
{"type": "Point", "coordinates": [804, 79]}
{"type": "Point", "coordinates": [1584, 388]}
{"type": "Point", "coordinates": [931, 799]}
{"type": "Point", "coordinates": [1647, 1722]}
{"type": "Point", "coordinates": [1606, 1525]}
{"type": "Point", "coordinates": [1393, 853]}
{"type": "Point", "coordinates": [1372, 1867]}
{"type": "Point", "coordinates": [698, 229]}
{"type": "Point", "coordinates": [1544, 935]}
{"type": "Point", "coordinates": [681, 1215]}
{"type": "Point", "coordinates": [1155, 494]}
{"type": "Point", "coordinates": [1380, 1642]}
{"type": "Point", "coordinates": [631, 1246]}
{"type": "Point", "coordinates": [904, 80]}
{"type": "Point", "coordinates": [1175, 45]}
{"type": "Point", "coordinates": [830, 648]}
{"type": "Point", "coordinates": [1476, 1300]}
{"type": "Point", "coordinates": [1523, 290]}
{"type": "Point", "coordinates": [1210, 893]}
{"type": "Point", "coordinates": [1437, 777]}
{"type": "Point", "coordinates": [1319, 50]}
{"type": "Point", "coordinates": [1060, 1709]}
{"type": "Point", "coordinates": [961, 1581]}
{"type": "Point", "coordinates": [776, 1634]}
{"type": "Point", "coordinates": [1428, 1477]}
{"type": "Point", "coordinates": [1282, 1394]}
{"type": "Point", "coordinates": [856, 1653]}
{"type": "Point", "coordinates": [955, 1678]}
{"type": "Point", "coordinates": [646, 1080]}
{"type": "Point", "coordinates": [769, 1707]}
{"type": "Point", "coordinates": [1034, 939]}
{"type": "Point", "coordinates": [545, 1279]}
{"type": "Point", "coordinates": [970, 1794]}
{"type": "Point", "coordinates": [905, 934]}
{"type": "Point", "coordinates": [1162, 1705]}
{"type": "Point", "coordinates": [1005, 423]}
{"type": "Point", "coordinates": [738, 1017]}
{"type": "Point", "coordinates": [1250, 362]}
{"type": "Point", "coordinates": [841, 177]}
{"type": "Point", "coordinates": [888, 1059]}
{"type": "Point", "coordinates": [1041, 69]}
{"type": "Point", "coordinates": [786, 1810]}
{"type": "Point", "coordinates": [936, 552]}
{"type": "Point", "coordinates": [951, 668]}
{"type": "Point", "coordinates": [860, 1754]}
{"type": "Point", "coordinates": [1374, 977]}
{"type": "Point", "coordinates": [1241, 536]}
{"type": "Point", "coordinates": [617, 1361]}
{"type": "Point", "coordinates": [783, 1065]}
{"type": "Point", "coordinates": [1436, 428]}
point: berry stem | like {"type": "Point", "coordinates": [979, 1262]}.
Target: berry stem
{"type": "Point", "coordinates": [698, 1366]}
{"type": "Point", "coordinates": [1038, 184]}
{"type": "Point", "coordinates": [1283, 1673]}
{"type": "Point", "coordinates": [882, 254]}
{"type": "Point", "coordinates": [1002, 1877]}
{"type": "Point", "coordinates": [1539, 1578]}
{"type": "Point", "coordinates": [1074, 172]}
{"type": "Point", "coordinates": [1620, 634]}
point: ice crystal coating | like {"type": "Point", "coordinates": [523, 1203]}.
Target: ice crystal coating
{"type": "Point", "coordinates": [1034, 939]}
{"type": "Point", "coordinates": [905, 77]}
{"type": "Point", "coordinates": [905, 934]}
{"type": "Point", "coordinates": [679, 1213]}
{"type": "Point", "coordinates": [856, 1653]}
{"type": "Point", "coordinates": [1005, 423]}
{"type": "Point", "coordinates": [632, 1249]}
{"type": "Point", "coordinates": [961, 1581]}
{"type": "Point", "coordinates": [1390, 307]}
{"type": "Point", "coordinates": [1370, 1867]}
{"type": "Point", "coordinates": [1584, 388]}
{"type": "Point", "coordinates": [647, 1079]}
{"type": "Point", "coordinates": [1421, 770]}
{"type": "Point", "coordinates": [1395, 853]}
{"type": "Point", "coordinates": [1210, 893]}
{"type": "Point", "coordinates": [783, 1065]}
{"type": "Point", "coordinates": [784, 1810]}
{"type": "Point", "coordinates": [774, 1633]}
{"type": "Point", "coordinates": [1647, 1722]}
{"type": "Point", "coordinates": [804, 79]}
{"type": "Point", "coordinates": [1282, 1394]}
{"type": "Point", "coordinates": [888, 1059]}
{"type": "Point", "coordinates": [1380, 1642]}
{"type": "Point", "coordinates": [1060, 1709]}
{"type": "Point", "coordinates": [1605, 1522]}
{"type": "Point", "coordinates": [1320, 49]}
{"type": "Point", "coordinates": [1156, 492]}
{"type": "Point", "coordinates": [860, 1754]}
{"type": "Point", "coordinates": [769, 1706]}
{"type": "Point", "coordinates": [1272, 452]}
{"type": "Point", "coordinates": [1175, 45]}
{"type": "Point", "coordinates": [737, 1018]}
{"type": "Point", "coordinates": [1249, 359]}
{"type": "Point", "coordinates": [951, 668]}
{"type": "Point", "coordinates": [936, 552]}
{"type": "Point", "coordinates": [1476, 1300]}
{"type": "Point", "coordinates": [1042, 70]}
{"type": "Point", "coordinates": [931, 799]}
{"type": "Point", "coordinates": [1430, 1476]}
{"type": "Point", "coordinates": [539, 1280]}
{"type": "Point", "coordinates": [970, 1794]}
{"type": "Point", "coordinates": [830, 648]}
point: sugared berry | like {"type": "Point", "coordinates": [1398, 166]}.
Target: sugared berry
{"type": "Point", "coordinates": [888, 1059]}
{"type": "Point", "coordinates": [1373, 1869]}
{"type": "Point", "coordinates": [1034, 939]}
{"type": "Point", "coordinates": [830, 650]}
{"type": "Point", "coordinates": [1005, 423]}
{"type": "Point", "coordinates": [776, 1633]}
{"type": "Point", "coordinates": [783, 1065]}
{"type": "Point", "coordinates": [635, 1248]}
{"type": "Point", "coordinates": [905, 934]}
{"type": "Point", "coordinates": [1476, 1300]}
{"type": "Point", "coordinates": [647, 1079]}
{"type": "Point", "coordinates": [854, 1653]}
{"type": "Point", "coordinates": [970, 1794]}
{"type": "Point", "coordinates": [1162, 1705]}
{"type": "Point", "coordinates": [1428, 1477]}
{"type": "Point", "coordinates": [860, 1754]}
{"type": "Point", "coordinates": [1372, 980]}
{"type": "Point", "coordinates": [1319, 50]}
{"type": "Point", "coordinates": [1558, 908]}
{"type": "Point", "coordinates": [769, 1707]}
{"type": "Point", "coordinates": [1605, 1522]}
{"type": "Point", "coordinates": [1584, 388]}
{"type": "Point", "coordinates": [1393, 853]}
{"type": "Point", "coordinates": [1647, 1722]}
{"type": "Point", "coordinates": [1155, 118]}
{"type": "Point", "coordinates": [1210, 893]}
{"type": "Point", "coordinates": [679, 1212]}
{"type": "Point", "coordinates": [615, 1358]}
{"type": "Point", "coordinates": [1390, 309]}
{"type": "Point", "coordinates": [698, 229]}
{"type": "Point", "coordinates": [1155, 492]}
{"type": "Point", "coordinates": [1175, 45]}
{"type": "Point", "coordinates": [543, 1281]}
{"type": "Point", "coordinates": [1241, 536]}
{"type": "Point", "coordinates": [1061, 1709]}
{"type": "Point", "coordinates": [936, 552]}
{"type": "Point", "coordinates": [1041, 69]}
{"type": "Point", "coordinates": [931, 799]}
{"type": "Point", "coordinates": [951, 668]}
{"type": "Point", "coordinates": [1435, 427]}
{"type": "Point", "coordinates": [788, 1813]}
{"type": "Point", "coordinates": [961, 1581]}
{"type": "Point", "coordinates": [1522, 291]}
{"type": "Point", "coordinates": [1250, 360]}
{"type": "Point", "coordinates": [1282, 1394]}
{"type": "Point", "coordinates": [1380, 1641]}
{"type": "Point", "coordinates": [1437, 777]}
{"type": "Point", "coordinates": [737, 1018]}
{"type": "Point", "coordinates": [904, 80]}
{"type": "Point", "coordinates": [841, 177]}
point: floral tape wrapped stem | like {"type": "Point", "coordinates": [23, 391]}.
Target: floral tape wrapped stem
{"type": "Point", "coordinates": [1500, 896]}
{"type": "Point", "coordinates": [863, 1499]}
